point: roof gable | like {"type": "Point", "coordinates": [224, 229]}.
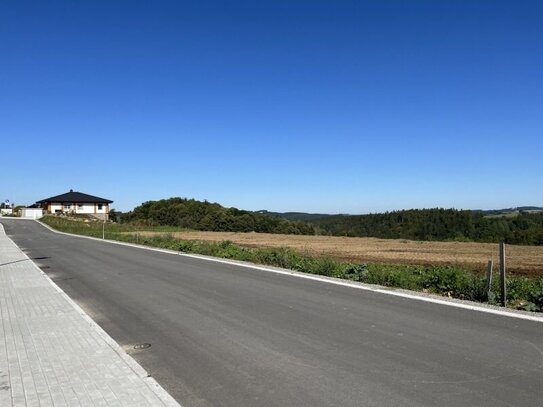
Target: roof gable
{"type": "Point", "coordinates": [75, 197]}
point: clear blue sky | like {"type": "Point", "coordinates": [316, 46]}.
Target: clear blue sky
{"type": "Point", "coordinates": [321, 106]}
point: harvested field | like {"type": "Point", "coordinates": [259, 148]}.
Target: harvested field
{"type": "Point", "coordinates": [522, 260]}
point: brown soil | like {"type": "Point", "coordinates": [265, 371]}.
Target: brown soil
{"type": "Point", "coordinates": [527, 260]}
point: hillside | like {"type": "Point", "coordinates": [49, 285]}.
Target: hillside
{"type": "Point", "coordinates": [509, 211]}
{"type": "Point", "coordinates": [198, 215]}
{"type": "Point", "coordinates": [515, 226]}
{"type": "Point", "coordinates": [304, 216]}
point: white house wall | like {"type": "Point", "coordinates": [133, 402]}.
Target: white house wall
{"type": "Point", "coordinates": [56, 207]}
{"type": "Point", "coordinates": [103, 210]}
{"type": "Point", "coordinates": [85, 208]}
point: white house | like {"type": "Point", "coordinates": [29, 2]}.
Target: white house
{"type": "Point", "coordinates": [76, 203]}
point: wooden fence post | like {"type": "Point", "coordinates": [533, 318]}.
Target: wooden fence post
{"type": "Point", "coordinates": [503, 282]}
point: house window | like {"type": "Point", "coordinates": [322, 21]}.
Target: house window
{"type": "Point", "coordinates": [100, 207]}
{"type": "Point", "coordinates": [79, 206]}
{"type": "Point", "coordinates": [67, 206]}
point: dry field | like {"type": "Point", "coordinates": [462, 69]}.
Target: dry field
{"type": "Point", "coordinates": [527, 260]}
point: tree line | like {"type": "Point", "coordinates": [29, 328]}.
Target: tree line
{"type": "Point", "coordinates": [438, 224]}
{"type": "Point", "coordinates": [198, 215]}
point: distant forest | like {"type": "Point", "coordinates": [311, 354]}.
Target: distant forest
{"type": "Point", "coordinates": [416, 224]}
{"type": "Point", "coordinates": [438, 224]}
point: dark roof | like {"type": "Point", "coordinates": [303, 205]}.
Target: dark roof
{"type": "Point", "coordinates": [75, 197]}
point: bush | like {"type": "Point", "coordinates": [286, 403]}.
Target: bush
{"type": "Point", "coordinates": [355, 272]}
{"type": "Point", "coordinates": [325, 267]}
{"type": "Point", "coordinates": [525, 293]}
{"type": "Point", "coordinates": [185, 246]}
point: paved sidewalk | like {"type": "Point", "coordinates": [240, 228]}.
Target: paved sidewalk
{"type": "Point", "coordinates": [53, 354]}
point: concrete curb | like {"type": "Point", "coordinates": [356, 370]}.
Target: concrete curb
{"type": "Point", "coordinates": [431, 298]}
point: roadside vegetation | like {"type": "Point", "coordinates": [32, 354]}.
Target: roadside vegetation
{"type": "Point", "coordinates": [452, 281]}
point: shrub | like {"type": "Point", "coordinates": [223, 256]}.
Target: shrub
{"type": "Point", "coordinates": [325, 267]}
{"type": "Point", "coordinates": [355, 272]}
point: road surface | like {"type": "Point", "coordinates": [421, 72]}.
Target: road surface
{"type": "Point", "coordinates": [223, 335]}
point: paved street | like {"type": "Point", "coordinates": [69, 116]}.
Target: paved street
{"type": "Point", "coordinates": [223, 335]}
{"type": "Point", "coordinates": [51, 354]}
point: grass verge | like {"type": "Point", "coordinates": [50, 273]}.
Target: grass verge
{"type": "Point", "coordinates": [452, 281]}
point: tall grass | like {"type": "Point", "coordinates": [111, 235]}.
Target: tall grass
{"type": "Point", "coordinates": [452, 281]}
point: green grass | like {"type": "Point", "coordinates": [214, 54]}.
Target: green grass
{"type": "Point", "coordinates": [452, 281]}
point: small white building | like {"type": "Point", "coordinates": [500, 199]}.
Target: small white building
{"type": "Point", "coordinates": [31, 213]}
{"type": "Point", "coordinates": [6, 211]}
{"type": "Point", "coordinates": [72, 203]}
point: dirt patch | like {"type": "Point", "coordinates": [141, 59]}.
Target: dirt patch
{"type": "Point", "coordinates": [527, 260]}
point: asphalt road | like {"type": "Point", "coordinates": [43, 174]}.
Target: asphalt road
{"type": "Point", "coordinates": [224, 335]}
